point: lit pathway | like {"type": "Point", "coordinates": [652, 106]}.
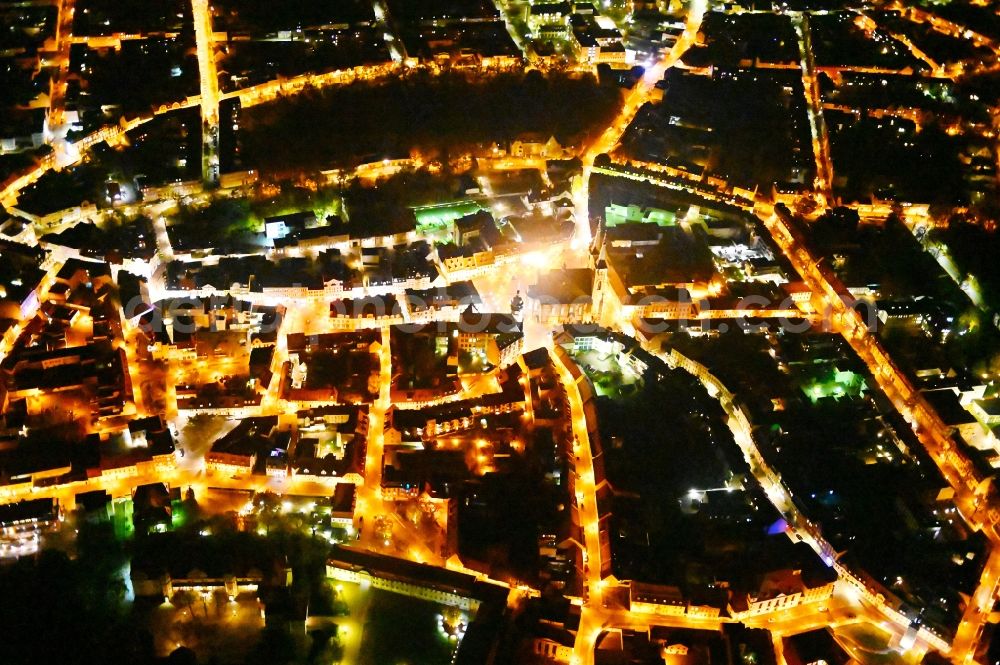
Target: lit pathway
{"type": "Point", "coordinates": [209, 81]}
{"type": "Point", "coordinates": [369, 504]}
{"type": "Point", "coordinates": [639, 95]}
{"type": "Point", "coordinates": [644, 88]}
{"type": "Point", "coordinates": [871, 27]}
{"type": "Point", "coordinates": [976, 616]}
{"type": "Point", "coordinates": [57, 91]}
{"type": "Point", "coordinates": [779, 496]}
{"type": "Point", "coordinates": [593, 616]}
{"type": "Point", "coordinates": [972, 498]}
{"type": "Point", "coordinates": [814, 108]}
{"type": "Point", "coordinates": [397, 51]}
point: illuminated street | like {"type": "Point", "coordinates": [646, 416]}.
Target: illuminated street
{"type": "Point", "coordinates": [500, 333]}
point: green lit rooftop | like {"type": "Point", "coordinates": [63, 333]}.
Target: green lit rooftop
{"type": "Point", "coordinates": [441, 215]}
{"type": "Point", "coordinates": [616, 214]}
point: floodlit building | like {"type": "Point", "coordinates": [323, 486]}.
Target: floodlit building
{"type": "Point", "coordinates": [536, 146]}
{"type": "Point", "coordinates": [562, 296]}
{"type": "Point", "coordinates": [417, 580]}
{"type": "Point", "coordinates": [782, 589]}
{"type": "Point", "coordinates": [442, 302]}
{"type": "Point", "coordinates": [549, 14]}
{"type": "Point", "coordinates": [497, 338]}
{"type": "Point", "coordinates": [647, 270]}
{"type": "Point", "coordinates": [986, 410]}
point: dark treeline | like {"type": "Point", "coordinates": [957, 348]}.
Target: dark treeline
{"type": "Point", "coordinates": [436, 114]}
